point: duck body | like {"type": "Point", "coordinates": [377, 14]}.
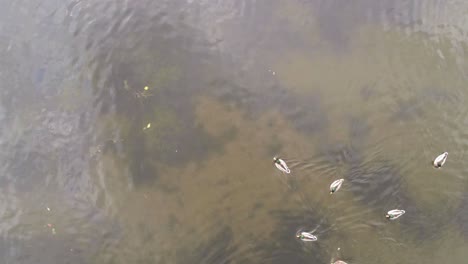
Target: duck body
{"type": "Point", "coordinates": [336, 185]}
{"type": "Point", "coordinates": [306, 236]}
{"type": "Point", "coordinates": [394, 214]}
{"type": "Point", "coordinates": [281, 165]}
{"type": "Point", "coordinates": [440, 160]}
{"type": "Point", "coordinates": [339, 262]}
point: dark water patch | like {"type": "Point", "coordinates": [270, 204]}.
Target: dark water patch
{"type": "Point", "coordinates": [305, 113]}
{"type": "Point", "coordinates": [307, 116]}
{"type": "Point", "coordinates": [223, 182]}
{"type": "Point", "coordinates": [408, 109]}
{"type": "Point", "coordinates": [169, 140]}
{"type": "Point", "coordinates": [152, 83]}
{"type": "Point", "coordinates": [188, 142]}
{"type": "Point", "coordinates": [255, 209]}
{"type": "Point", "coordinates": [228, 90]}
{"type": "Point", "coordinates": [193, 144]}
{"type": "Point", "coordinates": [161, 125]}
{"type": "Point", "coordinates": [144, 232]}
{"type": "Point", "coordinates": [440, 94]}
{"type": "Point", "coordinates": [274, 146]}
{"type": "Point", "coordinates": [340, 154]}
{"type": "Point", "coordinates": [73, 168]}
{"type": "Point", "coordinates": [412, 108]}
{"type": "Point", "coordinates": [336, 22]}
{"type": "Point", "coordinates": [39, 76]}
{"type": "Point", "coordinates": [167, 188]}
{"type": "Point", "coordinates": [461, 216]}
{"type": "Point", "coordinates": [173, 223]}
{"type": "Point", "coordinates": [359, 131]}
{"type": "Point", "coordinates": [421, 225]}
{"type": "Point", "coordinates": [368, 92]}
{"type": "Point", "coordinates": [219, 249]}
{"type": "Point", "coordinates": [142, 169]}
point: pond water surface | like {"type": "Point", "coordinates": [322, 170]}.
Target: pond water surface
{"type": "Point", "coordinates": [144, 131]}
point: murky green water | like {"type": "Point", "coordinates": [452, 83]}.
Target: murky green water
{"type": "Point", "coordinates": [144, 131]}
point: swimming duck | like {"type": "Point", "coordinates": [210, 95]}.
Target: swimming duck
{"type": "Point", "coordinates": [394, 214]}
{"type": "Point", "coordinates": [306, 236]}
{"type": "Point", "coordinates": [440, 160]}
{"type": "Point", "coordinates": [336, 185]}
{"type": "Point", "coordinates": [281, 165]}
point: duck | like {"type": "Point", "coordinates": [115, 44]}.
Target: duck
{"type": "Point", "coordinates": [440, 160]}
{"type": "Point", "coordinates": [306, 236]}
{"type": "Point", "coordinates": [339, 262]}
{"type": "Point", "coordinates": [336, 185]}
{"type": "Point", "coordinates": [394, 214]}
{"type": "Point", "coordinates": [281, 165]}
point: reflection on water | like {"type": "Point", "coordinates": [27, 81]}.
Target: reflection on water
{"type": "Point", "coordinates": [143, 132]}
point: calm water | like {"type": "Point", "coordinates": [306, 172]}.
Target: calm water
{"type": "Point", "coordinates": [96, 168]}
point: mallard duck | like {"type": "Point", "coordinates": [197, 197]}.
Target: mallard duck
{"type": "Point", "coordinates": [336, 185]}
{"type": "Point", "coordinates": [440, 160]}
{"type": "Point", "coordinates": [394, 214]}
{"type": "Point", "coordinates": [281, 165]}
{"type": "Point", "coordinates": [306, 236]}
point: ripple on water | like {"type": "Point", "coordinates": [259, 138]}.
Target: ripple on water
{"type": "Point", "coordinates": [283, 247]}
{"type": "Point", "coordinates": [379, 186]}
{"type": "Point", "coordinates": [163, 45]}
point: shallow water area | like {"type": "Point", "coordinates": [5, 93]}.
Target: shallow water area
{"type": "Point", "coordinates": [144, 131]}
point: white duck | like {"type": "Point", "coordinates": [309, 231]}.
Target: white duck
{"type": "Point", "coordinates": [394, 214]}
{"type": "Point", "coordinates": [336, 185]}
{"type": "Point", "coordinates": [281, 165]}
{"type": "Point", "coordinates": [339, 262]}
{"type": "Point", "coordinates": [306, 236]}
{"type": "Point", "coordinates": [440, 160]}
